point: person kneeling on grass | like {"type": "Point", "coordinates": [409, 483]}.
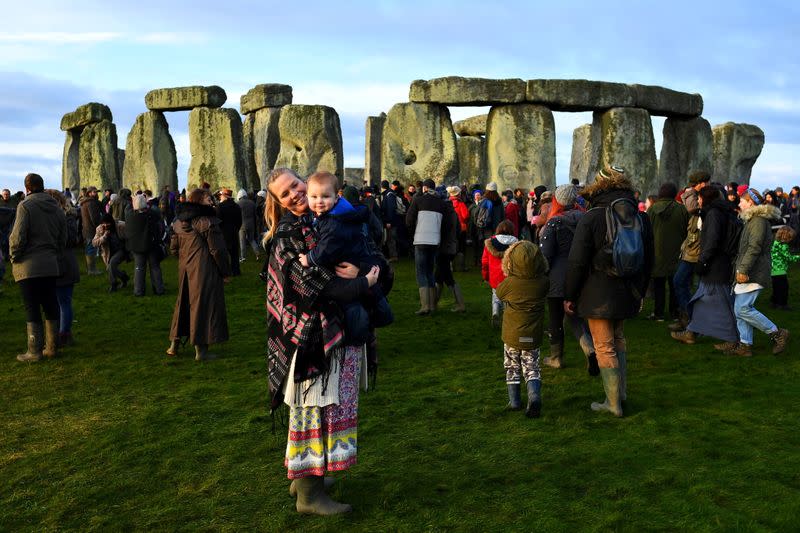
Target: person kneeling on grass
{"type": "Point", "coordinates": [523, 291]}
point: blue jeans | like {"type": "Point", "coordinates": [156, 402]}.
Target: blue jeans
{"type": "Point", "coordinates": [425, 263]}
{"type": "Point", "coordinates": [91, 250]}
{"type": "Point", "coordinates": [682, 282]}
{"type": "Point", "coordinates": [748, 317]}
{"type": "Point", "coordinates": [64, 296]}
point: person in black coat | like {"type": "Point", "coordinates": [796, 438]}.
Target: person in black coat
{"type": "Point", "coordinates": [230, 216]}
{"type": "Point", "coordinates": [605, 300]}
{"type": "Point", "coordinates": [145, 233]}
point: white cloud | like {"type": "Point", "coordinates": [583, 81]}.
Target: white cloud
{"type": "Point", "coordinates": [58, 37]}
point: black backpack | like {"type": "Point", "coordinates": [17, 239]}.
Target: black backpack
{"type": "Point", "coordinates": [624, 247]}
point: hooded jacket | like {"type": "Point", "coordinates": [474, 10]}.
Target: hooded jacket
{"type": "Point", "coordinates": [524, 291]}
{"type": "Point", "coordinates": [555, 243]}
{"type": "Point", "coordinates": [597, 293]}
{"type": "Point", "coordinates": [714, 264]}
{"type": "Point", "coordinates": [38, 238]}
{"type": "Point", "coordinates": [491, 263]}
{"type": "Point", "coordinates": [669, 220]}
{"type": "Point", "coordinates": [755, 244]}
{"type": "Point", "coordinates": [341, 236]}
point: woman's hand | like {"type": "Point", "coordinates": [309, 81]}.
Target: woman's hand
{"type": "Point", "coordinates": [372, 275]}
{"type": "Point", "coordinates": [347, 270]}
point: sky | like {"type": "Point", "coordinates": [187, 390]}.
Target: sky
{"type": "Point", "coordinates": [360, 57]}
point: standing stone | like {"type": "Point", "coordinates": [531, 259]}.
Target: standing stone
{"type": "Point", "coordinates": [471, 159]}
{"type": "Point", "coordinates": [261, 144]}
{"type": "Point", "coordinates": [373, 144]}
{"type": "Point", "coordinates": [121, 162]}
{"type": "Point", "coordinates": [419, 143]}
{"type": "Point", "coordinates": [585, 153]}
{"type": "Point", "coordinates": [86, 114]}
{"type": "Point", "coordinates": [97, 156]}
{"type": "Point", "coordinates": [215, 141]}
{"type": "Point", "coordinates": [626, 137]}
{"type": "Point", "coordinates": [455, 90]}
{"type": "Point", "coordinates": [471, 126]}
{"type": "Point", "coordinates": [311, 140]}
{"type": "Point", "coordinates": [687, 148]}
{"type": "Point", "coordinates": [736, 148]}
{"type": "Point", "coordinates": [151, 161]}
{"type": "Point", "coordinates": [185, 98]}
{"type": "Point", "coordinates": [354, 176]}
{"type": "Point", "coordinates": [521, 146]}
{"type": "Point", "coordinates": [265, 95]}
{"type": "Point", "coordinates": [70, 175]}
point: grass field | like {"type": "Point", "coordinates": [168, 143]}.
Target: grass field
{"type": "Point", "coordinates": [114, 436]}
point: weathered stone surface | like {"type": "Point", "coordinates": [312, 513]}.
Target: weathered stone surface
{"type": "Point", "coordinates": [471, 159]}
{"type": "Point", "coordinates": [455, 90]}
{"type": "Point", "coordinates": [419, 143]}
{"type": "Point", "coordinates": [474, 126]}
{"type": "Point", "coordinates": [587, 95]}
{"type": "Point", "coordinates": [70, 175]}
{"type": "Point", "coordinates": [579, 95]}
{"type": "Point", "coordinates": [372, 145]}
{"type": "Point", "coordinates": [666, 102]}
{"type": "Point", "coordinates": [97, 156]}
{"type": "Point", "coordinates": [120, 162]}
{"type": "Point", "coordinates": [736, 148]}
{"type": "Point", "coordinates": [151, 161]}
{"type": "Point", "coordinates": [521, 146]}
{"type": "Point", "coordinates": [585, 153]}
{"type": "Point", "coordinates": [261, 144]}
{"type": "Point", "coordinates": [354, 176]}
{"type": "Point", "coordinates": [265, 95]}
{"type": "Point", "coordinates": [215, 141]}
{"type": "Point", "coordinates": [686, 148]}
{"type": "Point", "coordinates": [185, 98]}
{"type": "Point", "coordinates": [626, 137]}
{"type": "Point", "coordinates": [311, 140]}
{"type": "Point", "coordinates": [86, 114]}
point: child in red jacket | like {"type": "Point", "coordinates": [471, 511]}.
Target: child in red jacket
{"type": "Point", "coordinates": [491, 264]}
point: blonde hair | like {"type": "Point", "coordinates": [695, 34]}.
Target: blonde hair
{"type": "Point", "coordinates": [324, 178]}
{"type": "Point", "coordinates": [273, 210]}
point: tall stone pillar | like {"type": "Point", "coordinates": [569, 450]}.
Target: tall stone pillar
{"type": "Point", "coordinates": [372, 154]}
{"type": "Point", "coordinates": [262, 106]}
{"type": "Point", "coordinates": [311, 140]}
{"type": "Point", "coordinates": [585, 153]}
{"type": "Point", "coordinates": [215, 141]}
{"type": "Point", "coordinates": [626, 140]}
{"type": "Point", "coordinates": [97, 156]}
{"type": "Point", "coordinates": [686, 148]}
{"type": "Point", "coordinates": [70, 175]}
{"type": "Point", "coordinates": [151, 161]}
{"type": "Point", "coordinates": [736, 149]}
{"type": "Point", "coordinates": [521, 146]}
{"type": "Point", "coordinates": [471, 159]}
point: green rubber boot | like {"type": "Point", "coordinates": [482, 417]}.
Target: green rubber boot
{"type": "Point", "coordinates": [312, 499]}
{"type": "Point", "coordinates": [611, 383]}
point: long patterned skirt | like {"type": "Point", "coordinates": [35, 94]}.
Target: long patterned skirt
{"type": "Point", "coordinates": [325, 439]}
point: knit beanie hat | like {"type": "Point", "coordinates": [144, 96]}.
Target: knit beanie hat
{"type": "Point", "coordinates": [454, 190]}
{"type": "Point", "coordinates": [566, 194]}
{"type": "Point", "coordinates": [492, 186]}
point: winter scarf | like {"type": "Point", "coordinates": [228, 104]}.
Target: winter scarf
{"type": "Point", "coordinates": [298, 319]}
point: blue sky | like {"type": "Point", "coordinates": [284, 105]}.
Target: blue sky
{"type": "Point", "coordinates": [360, 57]}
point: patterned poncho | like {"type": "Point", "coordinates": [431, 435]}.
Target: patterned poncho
{"type": "Point", "coordinates": [298, 318]}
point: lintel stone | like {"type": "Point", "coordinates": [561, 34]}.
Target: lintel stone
{"type": "Point", "coordinates": [185, 98]}
{"type": "Point", "coordinates": [86, 114]}
{"type": "Point", "coordinates": [458, 91]}
{"type": "Point", "coordinates": [265, 95]}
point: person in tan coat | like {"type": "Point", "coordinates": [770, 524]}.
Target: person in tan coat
{"type": "Point", "coordinates": [203, 268]}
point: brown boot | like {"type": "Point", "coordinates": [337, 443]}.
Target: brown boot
{"type": "Point", "coordinates": [725, 346]}
{"type": "Point", "coordinates": [35, 341]}
{"type": "Point", "coordinates": [50, 339]}
{"type": "Point", "coordinates": [740, 350]}
{"type": "Point", "coordinates": [780, 338]}
{"type": "Point", "coordinates": [685, 336]}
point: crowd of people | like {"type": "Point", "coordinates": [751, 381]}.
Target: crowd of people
{"type": "Point", "coordinates": [588, 255]}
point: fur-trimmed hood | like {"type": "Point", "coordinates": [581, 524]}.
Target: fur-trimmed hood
{"type": "Point", "coordinates": [498, 244]}
{"type": "Point", "coordinates": [605, 185]}
{"type": "Point", "coordinates": [768, 211]}
{"type": "Point", "coordinates": [524, 260]}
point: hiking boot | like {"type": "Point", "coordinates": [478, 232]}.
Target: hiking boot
{"type": "Point", "coordinates": [312, 499]}
{"type": "Point", "coordinates": [611, 385]}
{"type": "Point", "coordinates": [685, 336]}
{"type": "Point", "coordinates": [35, 341]}
{"type": "Point", "coordinates": [725, 346]}
{"type": "Point", "coordinates": [740, 349]}
{"type": "Point", "coordinates": [534, 409]}
{"type": "Point", "coordinates": [514, 399]}
{"type": "Point", "coordinates": [779, 338]}
{"type": "Point", "coordinates": [556, 359]}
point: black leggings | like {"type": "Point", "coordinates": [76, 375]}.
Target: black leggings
{"type": "Point", "coordinates": [660, 297]}
{"type": "Point", "coordinates": [39, 293]}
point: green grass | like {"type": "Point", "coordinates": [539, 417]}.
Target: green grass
{"type": "Point", "coordinates": [113, 436]}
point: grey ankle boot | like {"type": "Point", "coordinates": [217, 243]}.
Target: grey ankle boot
{"type": "Point", "coordinates": [312, 499]}
{"type": "Point", "coordinates": [35, 342]}
{"type": "Point", "coordinates": [514, 399]}
{"type": "Point", "coordinates": [534, 409]}
{"type": "Point", "coordinates": [611, 385]}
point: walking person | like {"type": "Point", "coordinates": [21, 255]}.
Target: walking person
{"type": "Point", "coordinates": [145, 236]}
{"type": "Point", "coordinates": [110, 239]}
{"type": "Point", "coordinates": [494, 248]}
{"type": "Point", "coordinates": [229, 215]}
{"type": "Point", "coordinates": [390, 211]}
{"type": "Point", "coordinates": [443, 274]}
{"type": "Point", "coordinates": [70, 272]}
{"type": "Point", "coordinates": [91, 212]}
{"type": "Point", "coordinates": [597, 290]}
{"type": "Point", "coordinates": [203, 269]}
{"type": "Point", "coordinates": [247, 233]}
{"type": "Point", "coordinates": [425, 220]}
{"type": "Point", "coordinates": [37, 240]}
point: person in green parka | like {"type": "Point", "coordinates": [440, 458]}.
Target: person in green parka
{"type": "Point", "coordinates": [669, 220]}
{"type": "Point", "coordinates": [524, 291]}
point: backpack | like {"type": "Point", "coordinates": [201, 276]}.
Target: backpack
{"type": "Point", "coordinates": [624, 240]}
{"type": "Point", "coordinates": [484, 214]}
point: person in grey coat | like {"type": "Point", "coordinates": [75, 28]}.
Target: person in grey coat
{"type": "Point", "coordinates": [247, 233]}
{"type": "Point", "coordinates": [35, 244]}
